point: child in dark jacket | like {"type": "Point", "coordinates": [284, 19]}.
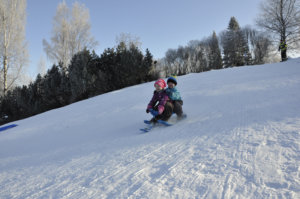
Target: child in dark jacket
{"type": "Point", "coordinates": [175, 97]}
{"type": "Point", "coordinates": [159, 106]}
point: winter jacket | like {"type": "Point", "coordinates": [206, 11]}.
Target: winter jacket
{"type": "Point", "coordinates": [173, 93]}
{"type": "Point", "coordinates": [282, 46]}
{"type": "Point", "coordinates": [161, 97]}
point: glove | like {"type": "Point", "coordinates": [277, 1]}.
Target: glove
{"type": "Point", "coordinates": [154, 112]}
{"type": "Point", "coordinates": [147, 110]}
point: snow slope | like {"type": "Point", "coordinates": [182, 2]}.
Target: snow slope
{"type": "Point", "coordinates": [241, 140]}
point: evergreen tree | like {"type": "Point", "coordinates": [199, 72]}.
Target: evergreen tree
{"type": "Point", "coordinates": [135, 66]}
{"type": "Point", "coordinates": [65, 87]}
{"type": "Point", "coordinates": [147, 66]}
{"type": "Point", "coordinates": [52, 96]}
{"type": "Point", "coordinates": [36, 98]}
{"type": "Point", "coordinates": [86, 76]}
{"type": "Point", "coordinates": [214, 57]}
{"type": "Point", "coordinates": [78, 75]}
{"type": "Point", "coordinates": [94, 86]}
{"type": "Point", "coordinates": [23, 97]}
{"type": "Point", "coordinates": [108, 69]}
{"type": "Point", "coordinates": [235, 46]}
{"type": "Point", "coordinates": [129, 63]}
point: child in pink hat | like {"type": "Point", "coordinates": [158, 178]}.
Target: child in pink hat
{"type": "Point", "coordinates": [159, 106]}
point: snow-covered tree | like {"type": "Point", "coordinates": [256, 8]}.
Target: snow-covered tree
{"type": "Point", "coordinates": [259, 44]}
{"type": "Point", "coordinates": [186, 59]}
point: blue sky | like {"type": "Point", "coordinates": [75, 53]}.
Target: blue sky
{"type": "Point", "coordinates": [160, 24]}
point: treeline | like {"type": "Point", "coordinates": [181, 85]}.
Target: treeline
{"type": "Point", "coordinates": [234, 46]}
{"type": "Point", "coordinates": [86, 76]}
{"type": "Point", "coordinates": [89, 75]}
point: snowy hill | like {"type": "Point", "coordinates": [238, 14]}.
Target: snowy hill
{"type": "Point", "coordinates": [241, 140]}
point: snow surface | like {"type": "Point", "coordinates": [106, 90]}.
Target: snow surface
{"type": "Point", "coordinates": [240, 140]}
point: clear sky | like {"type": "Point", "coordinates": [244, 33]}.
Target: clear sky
{"type": "Point", "coordinates": [160, 24]}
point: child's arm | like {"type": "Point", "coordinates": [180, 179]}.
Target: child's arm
{"type": "Point", "coordinates": [151, 103]}
{"type": "Point", "coordinates": [162, 103]}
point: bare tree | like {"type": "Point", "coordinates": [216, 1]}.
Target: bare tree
{"type": "Point", "coordinates": [41, 67]}
{"type": "Point", "coordinates": [70, 34]}
{"type": "Point", "coordinates": [128, 40]}
{"type": "Point", "coordinates": [281, 19]}
{"type": "Point", "coordinates": [13, 47]}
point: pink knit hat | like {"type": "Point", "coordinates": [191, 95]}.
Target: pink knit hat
{"type": "Point", "coordinates": [161, 83]}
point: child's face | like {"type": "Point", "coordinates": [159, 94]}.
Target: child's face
{"type": "Point", "coordinates": [157, 87]}
{"type": "Point", "coordinates": [171, 85]}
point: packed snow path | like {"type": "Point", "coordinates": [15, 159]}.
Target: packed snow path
{"type": "Point", "coordinates": [241, 140]}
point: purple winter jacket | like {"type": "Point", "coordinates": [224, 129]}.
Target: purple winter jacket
{"type": "Point", "coordinates": [160, 97]}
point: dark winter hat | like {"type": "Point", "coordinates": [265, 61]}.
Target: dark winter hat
{"type": "Point", "coordinates": [172, 79]}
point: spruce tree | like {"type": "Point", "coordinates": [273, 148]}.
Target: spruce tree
{"type": "Point", "coordinates": [108, 69]}
{"type": "Point", "coordinates": [147, 66]}
{"type": "Point", "coordinates": [214, 56]}
{"type": "Point", "coordinates": [235, 46]}
{"type": "Point", "coordinates": [52, 82]}
{"type": "Point", "coordinates": [78, 75]}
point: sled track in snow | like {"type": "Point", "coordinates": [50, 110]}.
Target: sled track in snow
{"type": "Point", "coordinates": [198, 166]}
{"type": "Point", "coordinates": [201, 167]}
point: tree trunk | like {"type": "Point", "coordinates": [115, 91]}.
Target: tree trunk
{"type": "Point", "coordinates": [5, 75]}
{"type": "Point", "coordinates": [283, 31]}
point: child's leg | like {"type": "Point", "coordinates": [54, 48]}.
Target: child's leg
{"type": "Point", "coordinates": [178, 107]}
{"type": "Point", "coordinates": [167, 112]}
